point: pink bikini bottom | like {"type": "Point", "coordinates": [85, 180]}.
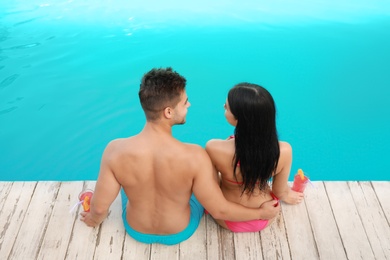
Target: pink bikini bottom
{"type": "Point", "coordinates": [247, 226]}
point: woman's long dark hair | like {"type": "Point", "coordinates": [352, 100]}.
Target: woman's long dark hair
{"type": "Point", "coordinates": [256, 139]}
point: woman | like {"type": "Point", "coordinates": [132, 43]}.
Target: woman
{"type": "Point", "coordinates": [249, 159]}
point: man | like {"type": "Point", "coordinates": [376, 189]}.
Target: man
{"type": "Point", "coordinates": [160, 175]}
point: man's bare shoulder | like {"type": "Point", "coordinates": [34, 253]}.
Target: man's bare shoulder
{"type": "Point", "coordinates": [120, 153]}
{"type": "Point", "coordinates": [192, 155]}
{"type": "Point", "coordinates": [195, 159]}
{"type": "Point", "coordinates": [117, 143]}
{"type": "Point", "coordinates": [194, 150]}
{"type": "Point", "coordinates": [119, 146]}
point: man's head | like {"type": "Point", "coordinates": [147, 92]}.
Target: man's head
{"type": "Point", "coordinates": [161, 93]}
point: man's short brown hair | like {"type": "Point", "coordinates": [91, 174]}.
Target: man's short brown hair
{"type": "Point", "coordinates": [160, 88]}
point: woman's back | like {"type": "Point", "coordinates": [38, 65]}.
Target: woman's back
{"type": "Point", "coordinates": [249, 159]}
{"type": "Point", "coordinates": [221, 153]}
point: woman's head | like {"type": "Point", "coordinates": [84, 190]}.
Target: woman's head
{"type": "Point", "coordinates": [256, 140]}
{"type": "Point", "coordinates": [251, 105]}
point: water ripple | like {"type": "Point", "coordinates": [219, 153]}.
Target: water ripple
{"type": "Point", "coordinates": [23, 11]}
{"type": "Point", "coordinates": [5, 111]}
{"type": "Point", "coordinates": [16, 100]}
{"type": "Point", "coordinates": [8, 81]}
{"type": "Point", "coordinates": [4, 34]}
{"type": "Point", "coordinates": [27, 21]}
{"type": "Point", "coordinates": [23, 46]}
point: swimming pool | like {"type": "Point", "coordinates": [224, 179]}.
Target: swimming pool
{"type": "Point", "coordinates": [70, 72]}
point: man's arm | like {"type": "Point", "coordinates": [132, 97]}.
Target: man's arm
{"type": "Point", "coordinates": [106, 190]}
{"type": "Point", "coordinates": [209, 194]}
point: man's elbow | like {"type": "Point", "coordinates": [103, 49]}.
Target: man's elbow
{"type": "Point", "coordinates": [99, 211]}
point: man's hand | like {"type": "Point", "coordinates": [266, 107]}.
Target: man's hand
{"type": "Point", "coordinates": [270, 209]}
{"type": "Point", "coordinates": [86, 217]}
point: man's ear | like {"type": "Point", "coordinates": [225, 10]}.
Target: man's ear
{"type": "Point", "coordinates": [168, 112]}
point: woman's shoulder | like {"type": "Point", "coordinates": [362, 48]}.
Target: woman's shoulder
{"type": "Point", "coordinates": [285, 147]}
{"type": "Point", "coordinates": [285, 151]}
{"type": "Point", "coordinates": [219, 149]}
{"type": "Point", "coordinates": [217, 144]}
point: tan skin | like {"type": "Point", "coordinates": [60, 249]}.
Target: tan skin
{"type": "Point", "coordinates": [221, 153]}
{"type": "Point", "coordinates": [159, 174]}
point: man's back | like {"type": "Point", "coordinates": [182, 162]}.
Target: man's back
{"type": "Point", "coordinates": [156, 173]}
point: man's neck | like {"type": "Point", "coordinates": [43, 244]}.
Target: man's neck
{"type": "Point", "coordinates": [159, 128]}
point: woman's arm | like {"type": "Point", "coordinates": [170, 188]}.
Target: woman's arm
{"type": "Point", "coordinates": [279, 185]}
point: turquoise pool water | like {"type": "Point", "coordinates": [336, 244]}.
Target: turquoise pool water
{"type": "Point", "coordinates": [70, 72]}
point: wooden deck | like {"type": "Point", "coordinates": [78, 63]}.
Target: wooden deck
{"type": "Point", "coordinates": [338, 220]}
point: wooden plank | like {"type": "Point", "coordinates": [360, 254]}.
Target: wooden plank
{"type": "Point", "coordinates": [59, 229]}
{"type": "Point", "coordinates": [195, 246]}
{"type": "Point", "coordinates": [274, 240]}
{"type": "Point", "coordinates": [5, 188]}
{"type": "Point", "coordinates": [226, 239]}
{"type": "Point", "coordinates": [360, 212]}
{"type": "Point", "coordinates": [373, 218]}
{"type": "Point", "coordinates": [13, 214]}
{"type": "Point", "coordinates": [382, 190]}
{"type": "Point", "coordinates": [112, 234]}
{"type": "Point", "coordinates": [247, 246]}
{"type": "Point", "coordinates": [35, 222]}
{"type": "Point", "coordinates": [323, 223]}
{"type": "Point", "coordinates": [133, 249]}
{"type": "Point", "coordinates": [84, 239]}
{"type": "Point", "coordinates": [159, 251]}
{"type": "Point", "coordinates": [213, 245]}
{"type": "Point", "coordinates": [299, 232]}
{"type": "Point", "coordinates": [347, 218]}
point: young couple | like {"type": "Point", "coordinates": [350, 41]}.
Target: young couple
{"type": "Point", "coordinates": [165, 184]}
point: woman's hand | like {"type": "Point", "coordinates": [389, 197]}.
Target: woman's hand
{"type": "Point", "coordinates": [293, 197]}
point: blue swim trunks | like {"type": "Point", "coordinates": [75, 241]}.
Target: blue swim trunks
{"type": "Point", "coordinates": [195, 216]}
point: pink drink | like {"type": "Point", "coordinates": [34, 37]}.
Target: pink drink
{"type": "Point", "coordinates": [299, 185]}
{"type": "Point", "coordinates": [85, 197]}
